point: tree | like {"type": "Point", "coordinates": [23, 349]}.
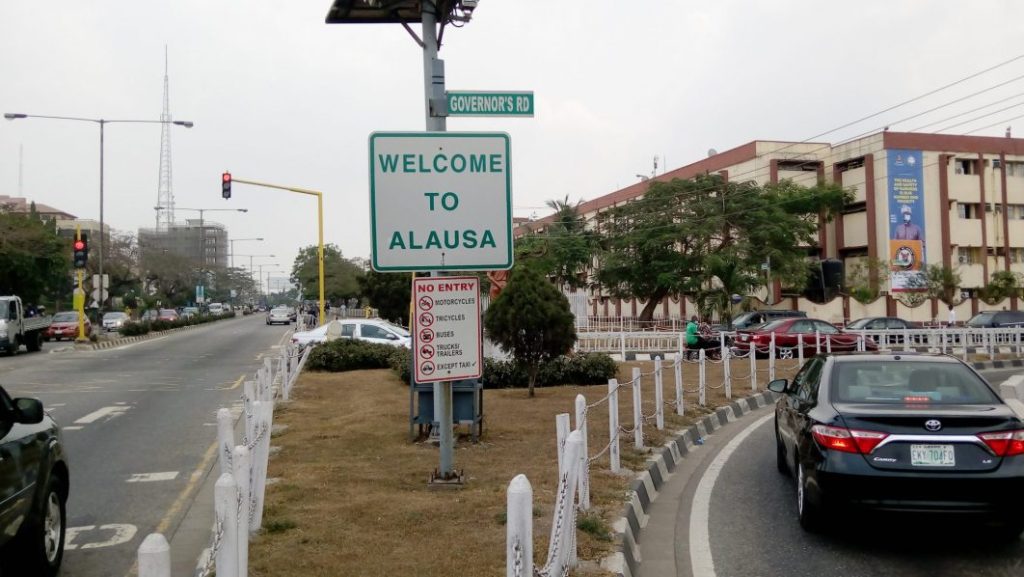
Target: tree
{"type": "Point", "coordinates": [862, 278]}
{"type": "Point", "coordinates": [531, 320]}
{"type": "Point", "coordinates": [389, 293]}
{"type": "Point", "coordinates": [1002, 284]}
{"type": "Point", "coordinates": [34, 261]}
{"type": "Point", "coordinates": [565, 250]}
{"type": "Point", "coordinates": [942, 282]}
{"type": "Point", "coordinates": [341, 276]}
{"type": "Point", "coordinates": [708, 237]}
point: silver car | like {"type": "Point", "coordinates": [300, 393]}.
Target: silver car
{"type": "Point", "coordinates": [113, 321]}
{"type": "Point", "coordinates": [279, 315]}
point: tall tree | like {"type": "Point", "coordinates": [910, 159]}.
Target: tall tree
{"type": "Point", "coordinates": [34, 261]}
{"type": "Point", "coordinates": [531, 320]}
{"type": "Point", "coordinates": [341, 276]}
{"type": "Point", "coordinates": [942, 282]}
{"type": "Point", "coordinates": [389, 293]}
{"type": "Point", "coordinates": [564, 251]}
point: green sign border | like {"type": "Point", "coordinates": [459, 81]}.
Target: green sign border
{"type": "Point", "coordinates": [373, 200]}
{"type": "Point", "coordinates": [533, 103]}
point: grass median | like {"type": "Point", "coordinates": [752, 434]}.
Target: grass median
{"type": "Point", "coordinates": [352, 496]}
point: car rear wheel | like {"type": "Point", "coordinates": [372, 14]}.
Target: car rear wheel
{"type": "Point", "coordinates": [42, 538]}
{"type": "Point", "coordinates": [809, 512]}
{"type": "Point", "coordinates": [35, 342]}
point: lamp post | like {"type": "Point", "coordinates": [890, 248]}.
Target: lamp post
{"type": "Point", "coordinates": [270, 266]}
{"type": "Point", "coordinates": [233, 241]}
{"type": "Point", "coordinates": [102, 122]}
{"type": "Point", "coordinates": [252, 256]}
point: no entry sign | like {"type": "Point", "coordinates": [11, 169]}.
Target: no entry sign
{"type": "Point", "coordinates": [446, 329]}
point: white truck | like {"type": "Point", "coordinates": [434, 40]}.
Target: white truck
{"type": "Point", "coordinates": [17, 330]}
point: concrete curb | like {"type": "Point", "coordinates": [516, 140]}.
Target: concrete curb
{"type": "Point", "coordinates": [984, 365]}
{"type": "Point", "coordinates": [152, 335]}
{"type": "Point", "coordinates": [626, 561]}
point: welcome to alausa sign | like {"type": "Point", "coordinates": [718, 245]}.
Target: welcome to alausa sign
{"type": "Point", "coordinates": [440, 201]}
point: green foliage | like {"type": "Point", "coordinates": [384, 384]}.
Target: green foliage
{"type": "Point", "coordinates": [143, 327]}
{"type": "Point", "coordinates": [859, 278]}
{"type": "Point", "coordinates": [594, 525]}
{"type": "Point", "coordinates": [349, 355]}
{"type": "Point", "coordinates": [134, 329]}
{"type": "Point", "coordinates": [531, 320]}
{"type": "Point", "coordinates": [942, 282]}
{"type": "Point", "coordinates": [34, 261]}
{"type": "Point", "coordinates": [585, 369]}
{"type": "Point", "coordinates": [389, 293]}
{"type": "Point", "coordinates": [565, 250]}
{"type": "Point", "coordinates": [341, 275]}
{"type": "Point", "coordinates": [1002, 284]}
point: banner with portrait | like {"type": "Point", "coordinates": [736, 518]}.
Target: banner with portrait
{"type": "Point", "coordinates": [906, 220]}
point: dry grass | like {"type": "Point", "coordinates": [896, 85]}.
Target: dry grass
{"type": "Point", "coordinates": [353, 499]}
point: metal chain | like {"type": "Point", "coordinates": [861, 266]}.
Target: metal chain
{"type": "Point", "coordinates": [207, 568]}
{"type": "Point", "coordinates": [517, 561]}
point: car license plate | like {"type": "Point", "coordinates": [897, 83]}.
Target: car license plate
{"type": "Point", "coordinates": [932, 456]}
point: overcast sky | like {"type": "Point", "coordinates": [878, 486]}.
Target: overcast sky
{"type": "Point", "coordinates": [279, 96]}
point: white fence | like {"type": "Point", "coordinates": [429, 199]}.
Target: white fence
{"type": "Point", "coordinates": [239, 492]}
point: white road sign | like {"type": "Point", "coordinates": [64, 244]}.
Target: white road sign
{"type": "Point", "coordinates": [440, 201]}
{"type": "Point", "coordinates": [446, 329]}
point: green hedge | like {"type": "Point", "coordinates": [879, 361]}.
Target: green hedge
{"type": "Point", "coordinates": [582, 369]}
{"type": "Point", "coordinates": [350, 355]}
{"type": "Point", "coordinates": [143, 327]}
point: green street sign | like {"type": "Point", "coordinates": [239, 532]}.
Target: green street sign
{"type": "Point", "coordinates": [482, 103]}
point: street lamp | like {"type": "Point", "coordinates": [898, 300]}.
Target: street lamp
{"type": "Point", "coordinates": [252, 256]}
{"type": "Point", "coordinates": [102, 122]}
{"type": "Point", "coordinates": [233, 241]}
{"type": "Point", "coordinates": [270, 267]}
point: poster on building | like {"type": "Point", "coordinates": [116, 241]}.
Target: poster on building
{"type": "Point", "coordinates": [906, 221]}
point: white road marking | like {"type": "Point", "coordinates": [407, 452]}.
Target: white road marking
{"type": "Point", "coordinates": [106, 413]}
{"type": "Point", "coordinates": [70, 428]}
{"type": "Point", "coordinates": [122, 533]}
{"type": "Point", "coordinates": [700, 512]}
{"type": "Point", "coordinates": [150, 477]}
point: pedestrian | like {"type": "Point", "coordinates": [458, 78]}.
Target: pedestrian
{"type": "Point", "coordinates": [952, 316]}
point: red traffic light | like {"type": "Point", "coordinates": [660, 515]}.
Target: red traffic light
{"type": "Point", "coordinates": [79, 244]}
{"type": "Point", "coordinates": [226, 177]}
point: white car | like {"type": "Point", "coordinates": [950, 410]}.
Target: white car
{"type": "Point", "coordinates": [113, 321]}
{"type": "Point", "coordinates": [369, 330]}
{"type": "Point", "coordinates": [279, 315]}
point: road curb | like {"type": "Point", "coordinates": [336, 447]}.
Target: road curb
{"type": "Point", "coordinates": [985, 365]}
{"type": "Point", "coordinates": [626, 561]}
{"type": "Point", "coordinates": [151, 335]}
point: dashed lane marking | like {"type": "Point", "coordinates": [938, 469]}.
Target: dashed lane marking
{"type": "Point", "coordinates": [151, 477]}
{"type": "Point", "coordinates": [71, 428]}
{"type": "Point", "coordinates": [106, 413]}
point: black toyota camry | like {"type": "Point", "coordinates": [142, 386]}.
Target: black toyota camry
{"type": "Point", "coordinates": [899, 432]}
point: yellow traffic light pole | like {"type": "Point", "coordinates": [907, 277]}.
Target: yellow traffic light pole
{"type": "Point", "coordinates": [320, 225]}
{"type": "Point", "coordinates": [78, 300]}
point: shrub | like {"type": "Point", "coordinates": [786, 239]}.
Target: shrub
{"type": "Point", "coordinates": [349, 355]}
{"type": "Point", "coordinates": [134, 329]}
{"type": "Point", "coordinates": [583, 369]}
{"type": "Point", "coordinates": [401, 363]}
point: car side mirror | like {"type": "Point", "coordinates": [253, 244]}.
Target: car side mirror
{"type": "Point", "coordinates": [778, 386]}
{"type": "Point", "coordinates": [29, 411]}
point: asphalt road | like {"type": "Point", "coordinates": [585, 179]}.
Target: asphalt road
{"type": "Point", "coordinates": [752, 529]}
{"type": "Point", "coordinates": [139, 426]}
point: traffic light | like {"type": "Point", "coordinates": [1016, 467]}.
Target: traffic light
{"type": "Point", "coordinates": [226, 185]}
{"type": "Point", "coordinates": [81, 252]}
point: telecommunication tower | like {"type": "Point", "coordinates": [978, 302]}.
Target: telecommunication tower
{"type": "Point", "coordinates": [165, 193]}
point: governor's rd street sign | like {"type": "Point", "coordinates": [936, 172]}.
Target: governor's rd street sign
{"type": "Point", "coordinates": [440, 201]}
{"type": "Point", "coordinates": [485, 103]}
{"type": "Point", "coordinates": [446, 329]}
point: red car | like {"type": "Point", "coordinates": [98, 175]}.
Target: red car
{"type": "Point", "coordinates": [65, 326]}
{"type": "Point", "coordinates": [167, 315]}
{"type": "Point", "coordinates": [787, 338]}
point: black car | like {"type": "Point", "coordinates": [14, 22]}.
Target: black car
{"type": "Point", "coordinates": [33, 489]}
{"type": "Point", "coordinates": [752, 318]}
{"type": "Point", "coordinates": [996, 319]}
{"type": "Point", "coordinates": [899, 432]}
{"type": "Point", "coordinates": [879, 324]}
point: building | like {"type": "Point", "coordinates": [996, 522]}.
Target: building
{"type": "Point", "coordinates": [919, 199]}
{"type": "Point", "coordinates": [20, 205]}
{"type": "Point", "coordinates": [200, 241]}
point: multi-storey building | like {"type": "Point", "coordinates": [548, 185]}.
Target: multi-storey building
{"type": "Point", "coordinates": [201, 241]}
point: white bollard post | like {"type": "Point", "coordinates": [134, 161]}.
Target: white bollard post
{"type": "Point", "coordinates": [225, 498]}
{"type": "Point", "coordinates": [638, 416]}
{"type": "Point", "coordinates": [828, 344]}
{"type": "Point", "coordinates": [561, 434]}
{"type": "Point", "coordinates": [622, 345]}
{"type": "Point", "coordinates": [800, 348]}
{"type": "Point", "coordinates": [771, 358]}
{"type": "Point", "coordinates": [677, 370]}
{"type": "Point", "coordinates": [727, 371]}
{"type": "Point", "coordinates": [1017, 336]}
{"type": "Point", "coordinates": [225, 439]}
{"type": "Point", "coordinates": [519, 528]}
{"type": "Point", "coordinates": [659, 395]}
{"type": "Point", "coordinates": [154, 556]}
{"type": "Point", "coordinates": [680, 347]}
{"type": "Point", "coordinates": [817, 343]}
{"type": "Point", "coordinates": [264, 454]}
{"type": "Point", "coordinates": [753, 367]}
{"type": "Point", "coordinates": [613, 424]}
{"type": "Point", "coordinates": [248, 397]}
{"type": "Point", "coordinates": [702, 381]}
{"type": "Point", "coordinates": [563, 531]}
{"type": "Point", "coordinates": [906, 340]}
{"type": "Point", "coordinates": [242, 467]}
{"type": "Point", "coordinates": [584, 472]}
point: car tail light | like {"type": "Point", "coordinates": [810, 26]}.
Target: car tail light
{"type": "Point", "coordinates": [1004, 443]}
{"type": "Point", "coordinates": [847, 440]}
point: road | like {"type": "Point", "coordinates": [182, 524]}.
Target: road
{"type": "Point", "coordinates": [139, 426]}
{"type": "Point", "coordinates": [751, 529]}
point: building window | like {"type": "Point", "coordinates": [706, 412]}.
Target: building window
{"type": "Point", "coordinates": [965, 166]}
{"type": "Point", "coordinates": [968, 255]}
{"type": "Point", "coordinates": [1017, 255]}
{"type": "Point", "coordinates": [211, 250]}
{"type": "Point", "coordinates": [211, 241]}
{"type": "Point", "coordinates": [1015, 169]}
{"type": "Point", "coordinates": [968, 210]}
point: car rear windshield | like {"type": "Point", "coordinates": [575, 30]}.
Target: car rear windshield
{"type": "Point", "coordinates": [113, 316]}
{"type": "Point", "coordinates": [901, 382]}
{"type": "Point", "coordinates": [65, 318]}
{"type": "Point", "coordinates": [981, 319]}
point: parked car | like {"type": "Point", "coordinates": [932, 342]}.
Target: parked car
{"type": "Point", "coordinates": [33, 488]}
{"type": "Point", "coordinates": [167, 315]}
{"type": "Point", "coordinates": [113, 321]}
{"type": "Point", "coordinates": [370, 330]}
{"type": "Point", "coordinates": [788, 337]}
{"type": "Point", "coordinates": [279, 315]}
{"type": "Point", "coordinates": [753, 318]}
{"type": "Point", "coordinates": [215, 308]}
{"type": "Point", "coordinates": [65, 326]}
{"type": "Point", "coordinates": [901, 432]}
{"type": "Point", "coordinates": [995, 319]}
{"type": "Point", "coordinates": [880, 324]}
{"type": "Point", "coordinates": [189, 312]}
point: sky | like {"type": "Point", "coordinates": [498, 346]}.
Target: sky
{"type": "Point", "coordinates": [279, 96]}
